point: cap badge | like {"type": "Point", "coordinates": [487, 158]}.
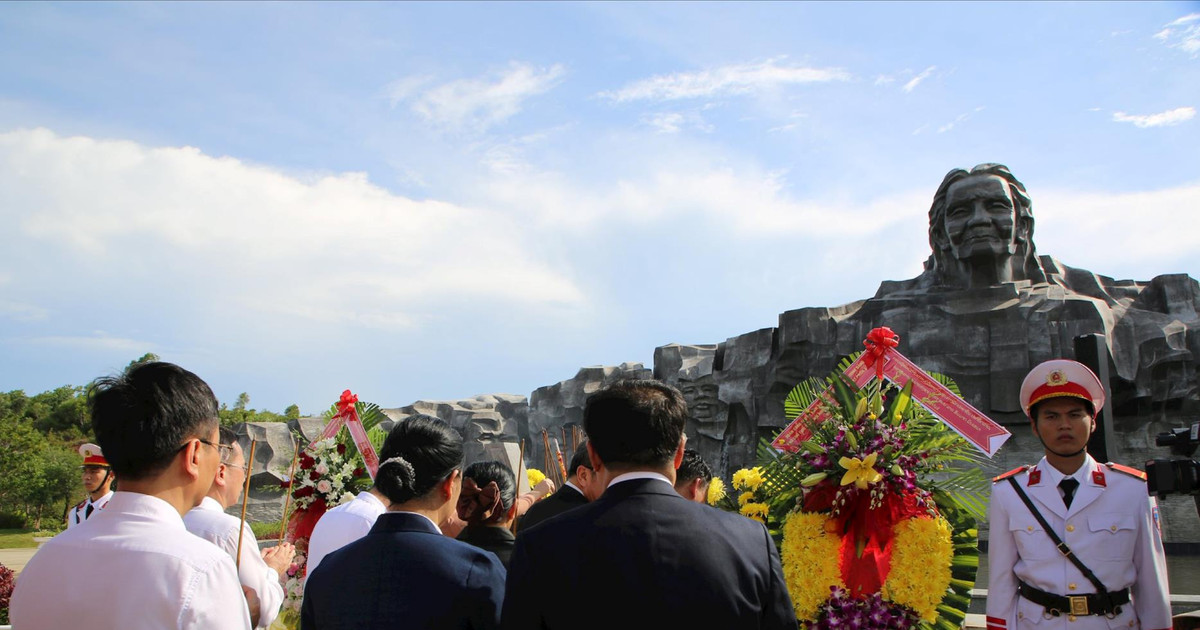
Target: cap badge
{"type": "Point", "coordinates": [1057, 378]}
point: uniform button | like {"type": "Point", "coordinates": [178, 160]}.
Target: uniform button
{"type": "Point", "coordinates": [1020, 615]}
{"type": "Point", "coordinates": [1071, 586]}
{"type": "Point", "coordinates": [1113, 527]}
{"type": "Point", "coordinates": [1071, 528]}
{"type": "Point", "coordinates": [1029, 528]}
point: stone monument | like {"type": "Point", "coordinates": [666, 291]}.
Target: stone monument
{"type": "Point", "coordinates": [986, 308]}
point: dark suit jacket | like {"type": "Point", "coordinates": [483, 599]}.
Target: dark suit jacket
{"type": "Point", "coordinates": [497, 540]}
{"type": "Point", "coordinates": [553, 505]}
{"type": "Point", "coordinates": [404, 573]}
{"type": "Point", "coordinates": [641, 556]}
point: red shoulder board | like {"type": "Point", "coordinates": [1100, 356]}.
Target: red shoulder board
{"type": "Point", "coordinates": [1018, 469]}
{"type": "Point", "coordinates": [81, 504]}
{"type": "Point", "coordinates": [1132, 472]}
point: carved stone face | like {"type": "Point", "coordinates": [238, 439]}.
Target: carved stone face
{"type": "Point", "coordinates": [704, 406]}
{"type": "Point", "coordinates": [980, 218]}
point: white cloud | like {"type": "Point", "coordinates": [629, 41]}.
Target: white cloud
{"type": "Point", "coordinates": [958, 119]}
{"type": "Point", "coordinates": [476, 103]}
{"type": "Point", "coordinates": [674, 122]}
{"type": "Point", "coordinates": [1161, 119]}
{"type": "Point", "coordinates": [22, 311]}
{"type": "Point", "coordinates": [1140, 230]}
{"type": "Point", "coordinates": [270, 247]}
{"type": "Point", "coordinates": [915, 81]}
{"type": "Point", "coordinates": [884, 80]}
{"type": "Point", "coordinates": [1183, 34]}
{"type": "Point", "coordinates": [722, 81]}
{"type": "Point", "coordinates": [98, 341]}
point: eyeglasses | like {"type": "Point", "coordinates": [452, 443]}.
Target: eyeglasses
{"type": "Point", "coordinates": [223, 450]}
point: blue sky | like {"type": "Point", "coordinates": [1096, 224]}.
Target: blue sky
{"type": "Point", "coordinates": [432, 201]}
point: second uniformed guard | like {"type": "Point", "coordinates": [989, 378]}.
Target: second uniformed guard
{"type": "Point", "coordinates": [1074, 544]}
{"type": "Point", "coordinates": [98, 479]}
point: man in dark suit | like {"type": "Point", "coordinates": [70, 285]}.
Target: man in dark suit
{"type": "Point", "coordinates": [693, 477]}
{"type": "Point", "coordinates": [577, 491]}
{"type": "Point", "coordinates": [641, 556]}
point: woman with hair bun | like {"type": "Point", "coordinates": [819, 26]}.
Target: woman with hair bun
{"type": "Point", "coordinates": [405, 571]}
{"type": "Point", "coordinates": [488, 504]}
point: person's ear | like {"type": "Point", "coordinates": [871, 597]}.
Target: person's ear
{"type": "Point", "coordinates": [450, 482]}
{"type": "Point", "coordinates": [222, 475]}
{"type": "Point", "coordinates": [191, 458]}
{"type": "Point", "coordinates": [679, 452]}
{"type": "Point", "coordinates": [699, 489]}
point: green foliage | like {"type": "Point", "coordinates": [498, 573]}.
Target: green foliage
{"type": "Point", "coordinates": [241, 413]}
{"type": "Point", "coordinates": [267, 530]}
{"type": "Point", "coordinates": [17, 538]}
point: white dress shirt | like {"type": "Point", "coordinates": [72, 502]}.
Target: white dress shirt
{"type": "Point", "coordinates": [79, 514]}
{"type": "Point", "coordinates": [134, 567]}
{"type": "Point", "coordinates": [341, 526]}
{"type": "Point", "coordinates": [211, 523]}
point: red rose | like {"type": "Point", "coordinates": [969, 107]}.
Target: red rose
{"type": "Point", "coordinates": [314, 475]}
{"type": "Point", "coordinates": [341, 448]}
{"type": "Point", "coordinates": [286, 483]}
{"type": "Point", "coordinates": [358, 472]}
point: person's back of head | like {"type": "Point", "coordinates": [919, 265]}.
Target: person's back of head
{"type": "Point", "coordinates": [580, 459]}
{"type": "Point", "coordinates": [635, 424]}
{"type": "Point", "coordinates": [693, 477]}
{"type": "Point", "coordinates": [142, 416]}
{"type": "Point", "coordinates": [419, 453]}
{"type": "Point", "coordinates": [489, 494]}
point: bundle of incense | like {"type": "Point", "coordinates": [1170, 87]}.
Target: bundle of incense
{"type": "Point", "coordinates": [287, 501]}
{"type": "Point", "coordinates": [245, 493]}
{"type": "Point", "coordinates": [562, 468]}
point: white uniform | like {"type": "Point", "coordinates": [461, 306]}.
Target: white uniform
{"type": "Point", "coordinates": [341, 526]}
{"type": "Point", "coordinates": [211, 523]}
{"type": "Point", "coordinates": [78, 514]}
{"type": "Point", "coordinates": [134, 567]}
{"type": "Point", "coordinates": [1111, 526]}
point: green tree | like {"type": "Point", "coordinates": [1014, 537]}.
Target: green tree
{"type": "Point", "coordinates": [292, 412]}
{"type": "Point", "coordinates": [145, 358]}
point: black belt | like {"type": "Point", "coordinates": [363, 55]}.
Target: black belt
{"type": "Point", "coordinates": [1108, 604]}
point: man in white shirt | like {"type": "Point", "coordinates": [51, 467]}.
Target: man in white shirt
{"type": "Point", "coordinates": [257, 571]}
{"type": "Point", "coordinates": [97, 480]}
{"type": "Point", "coordinates": [135, 566]}
{"type": "Point", "coordinates": [344, 524]}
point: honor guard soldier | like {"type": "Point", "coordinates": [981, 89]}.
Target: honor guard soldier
{"type": "Point", "coordinates": [97, 480]}
{"type": "Point", "coordinates": [1074, 544]}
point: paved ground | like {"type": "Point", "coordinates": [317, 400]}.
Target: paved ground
{"type": "Point", "coordinates": [15, 559]}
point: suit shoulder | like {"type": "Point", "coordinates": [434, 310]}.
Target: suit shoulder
{"type": "Point", "coordinates": [1016, 471]}
{"type": "Point", "coordinates": [1127, 470]}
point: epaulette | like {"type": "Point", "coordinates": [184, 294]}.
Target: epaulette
{"type": "Point", "coordinates": [1128, 470]}
{"type": "Point", "coordinates": [81, 504]}
{"type": "Point", "coordinates": [1018, 469]}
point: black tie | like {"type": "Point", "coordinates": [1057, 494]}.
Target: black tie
{"type": "Point", "coordinates": [1068, 485]}
{"type": "Point", "coordinates": [88, 512]}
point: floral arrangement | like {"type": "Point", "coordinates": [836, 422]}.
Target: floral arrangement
{"type": "Point", "coordinates": [535, 476]}
{"type": "Point", "coordinates": [7, 582]}
{"type": "Point", "coordinates": [329, 472]}
{"type": "Point", "coordinates": [716, 491]}
{"type": "Point", "coordinates": [875, 513]}
{"type": "Point", "coordinates": [749, 498]}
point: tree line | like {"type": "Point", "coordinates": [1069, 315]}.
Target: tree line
{"type": "Point", "coordinates": [39, 460]}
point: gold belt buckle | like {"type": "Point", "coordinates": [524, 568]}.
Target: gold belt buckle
{"type": "Point", "coordinates": [1079, 605]}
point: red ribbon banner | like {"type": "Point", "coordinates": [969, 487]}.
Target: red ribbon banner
{"type": "Point", "coordinates": [348, 416]}
{"type": "Point", "coordinates": [975, 427]}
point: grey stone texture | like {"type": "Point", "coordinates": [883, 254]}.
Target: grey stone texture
{"type": "Point", "coordinates": [986, 309]}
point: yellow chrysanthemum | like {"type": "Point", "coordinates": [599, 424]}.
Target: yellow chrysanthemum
{"type": "Point", "coordinates": [535, 476]}
{"type": "Point", "coordinates": [745, 498]}
{"type": "Point", "coordinates": [811, 561]}
{"type": "Point", "coordinates": [756, 511]}
{"type": "Point", "coordinates": [920, 573]}
{"type": "Point", "coordinates": [716, 490]}
{"type": "Point", "coordinates": [860, 472]}
{"type": "Point", "coordinates": [748, 479]}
